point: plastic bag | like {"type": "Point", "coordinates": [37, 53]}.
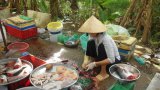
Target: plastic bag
{"type": "Point", "coordinates": [41, 19]}
{"type": "Point", "coordinates": [116, 30]}
{"type": "Point", "coordinates": [83, 41]}
{"type": "Point", "coordinates": [65, 38]}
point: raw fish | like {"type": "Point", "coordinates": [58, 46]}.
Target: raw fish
{"type": "Point", "coordinates": [124, 73]}
{"type": "Point", "coordinates": [18, 63]}
{"type": "Point", "coordinates": [3, 79]}
{"type": "Point", "coordinates": [15, 72]}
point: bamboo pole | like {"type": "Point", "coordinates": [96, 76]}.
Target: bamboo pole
{"type": "Point", "coordinates": [130, 9]}
{"type": "Point", "coordinates": [141, 11]}
{"type": "Point", "coordinates": [25, 6]}
{"type": "Point", "coordinates": [145, 36]}
{"type": "Point", "coordinates": [54, 9]}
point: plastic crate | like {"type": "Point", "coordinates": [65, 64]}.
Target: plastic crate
{"type": "Point", "coordinates": [22, 28]}
{"type": "Point", "coordinates": [30, 32]}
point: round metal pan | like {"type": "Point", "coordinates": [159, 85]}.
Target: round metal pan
{"type": "Point", "coordinates": [128, 67]}
{"type": "Point", "coordinates": [42, 69]}
{"type": "Point", "coordinates": [29, 68]}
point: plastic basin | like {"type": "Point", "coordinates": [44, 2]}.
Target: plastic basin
{"type": "Point", "coordinates": [19, 46]}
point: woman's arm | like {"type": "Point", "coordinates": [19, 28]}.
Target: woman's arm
{"type": "Point", "coordinates": [103, 62]}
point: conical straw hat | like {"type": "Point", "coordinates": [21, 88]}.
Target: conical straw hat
{"type": "Point", "coordinates": [92, 25]}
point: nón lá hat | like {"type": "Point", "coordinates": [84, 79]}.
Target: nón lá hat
{"type": "Point", "coordinates": [92, 25]}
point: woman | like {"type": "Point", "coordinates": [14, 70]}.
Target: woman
{"type": "Point", "coordinates": [100, 47]}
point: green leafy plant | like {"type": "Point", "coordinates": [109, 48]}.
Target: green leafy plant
{"type": "Point", "coordinates": [155, 33]}
{"type": "Point", "coordinates": [65, 8]}
{"type": "Point", "coordinates": [112, 9]}
{"type": "Point", "coordinates": [42, 6]}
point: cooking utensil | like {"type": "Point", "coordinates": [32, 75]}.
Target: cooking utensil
{"type": "Point", "coordinates": [42, 70]}
{"type": "Point", "coordinates": [129, 68]}
{"type": "Point", "coordinates": [29, 68]}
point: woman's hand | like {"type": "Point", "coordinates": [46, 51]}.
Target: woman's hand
{"type": "Point", "coordinates": [91, 66]}
{"type": "Point", "coordinates": [85, 62]}
{"type": "Point", "coordinates": [84, 65]}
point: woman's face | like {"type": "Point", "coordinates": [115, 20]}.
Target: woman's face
{"type": "Point", "coordinates": [93, 34]}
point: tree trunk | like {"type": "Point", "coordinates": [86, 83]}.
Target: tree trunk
{"type": "Point", "coordinates": [3, 3]}
{"type": "Point", "coordinates": [54, 9]}
{"type": "Point", "coordinates": [33, 5]}
{"type": "Point", "coordinates": [147, 28]}
{"type": "Point", "coordinates": [74, 5]}
{"type": "Point", "coordinates": [130, 9]}
{"type": "Point", "coordinates": [25, 6]}
{"type": "Point", "coordinates": [18, 6]}
{"type": "Point", "coordinates": [11, 4]}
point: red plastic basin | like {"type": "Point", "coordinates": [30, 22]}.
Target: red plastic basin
{"type": "Point", "coordinates": [19, 46]}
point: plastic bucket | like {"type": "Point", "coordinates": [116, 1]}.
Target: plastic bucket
{"type": "Point", "coordinates": [54, 36]}
{"type": "Point", "coordinates": [54, 27]}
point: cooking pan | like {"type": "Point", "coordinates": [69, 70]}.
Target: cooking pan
{"type": "Point", "coordinates": [42, 70]}
{"type": "Point", "coordinates": [130, 68]}
{"type": "Point", "coordinates": [28, 65]}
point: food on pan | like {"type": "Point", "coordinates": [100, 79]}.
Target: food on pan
{"type": "Point", "coordinates": [61, 69]}
{"type": "Point", "coordinates": [41, 79]}
{"type": "Point", "coordinates": [10, 64]}
{"type": "Point", "coordinates": [12, 70]}
{"type": "Point", "coordinates": [67, 74]}
{"type": "Point", "coordinates": [2, 69]}
{"type": "Point", "coordinates": [55, 74]}
{"type": "Point", "coordinates": [18, 63]}
{"type": "Point", "coordinates": [49, 66]}
{"type": "Point", "coordinates": [3, 79]}
{"type": "Point", "coordinates": [14, 64]}
{"type": "Point", "coordinates": [124, 73]}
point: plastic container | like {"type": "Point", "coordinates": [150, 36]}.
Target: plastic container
{"type": "Point", "coordinates": [19, 46]}
{"type": "Point", "coordinates": [139, 59]}
{"type": "Point", "coordinates": [22, 28]}
{"type": "Point", "coordinates": [55, 27]}
{"type": "Point", "coordinates": [30, 32]}
{"type": "Point", "coordinates": [54, 36]}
